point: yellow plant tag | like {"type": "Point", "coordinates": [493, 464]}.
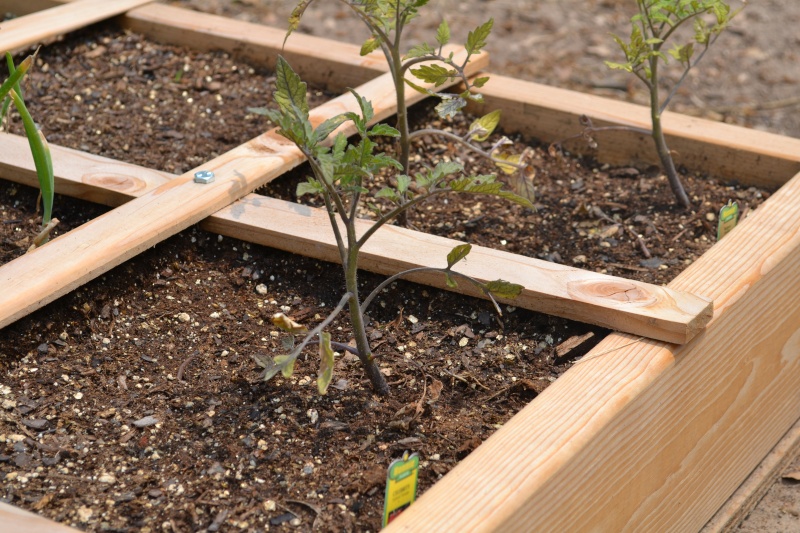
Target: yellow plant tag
{"type": "Point", "coordinates": [401, 486]}
{"type": "Point", "coordinates": [728, 217]}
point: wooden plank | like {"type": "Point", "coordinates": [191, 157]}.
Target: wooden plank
{"type": "Point", "coordinates": [29, 282]}
{"type": "Point", "coordinates": [645, 436]}
{"type": "Point", "coordinates": [40, 26]}
{"type": "Point", "coordinates": [334, 64]}
{"type": "Point", "coordinates": [731, 515]}
{"type": "Point", "coordinates": [15, 519]}
{"type": "Point", "coordinates": [729, 152]}
{"type": "Point", "coordinates": [655, 312]}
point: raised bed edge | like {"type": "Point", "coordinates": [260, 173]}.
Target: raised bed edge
{"type": "Point", "coordinates": [779, 262]}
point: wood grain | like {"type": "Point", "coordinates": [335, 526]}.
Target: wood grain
{"type": "Point", "coordinates": [645, 436]}
{"type": "Point", "coordinates": [31, 281]}
{"type": "Point", "coordinates": [728, 152]}
{"type": "Point", "coordinates": [616, 303]}
{"type": "Point", "coordinates": [30, 29]}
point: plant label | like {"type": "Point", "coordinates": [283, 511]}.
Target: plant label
{"type": "Point", "coordinates": [728, 217]}
{"type": "Point", "coordinates": [401, 486]}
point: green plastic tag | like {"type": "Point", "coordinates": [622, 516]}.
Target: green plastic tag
{"type": "Point", "coordinates": [401, 486]}
{"type": "Point", "coordinates": [728, 217]}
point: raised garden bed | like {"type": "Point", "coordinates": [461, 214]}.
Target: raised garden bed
{"type": "Point", "coordinates": [668, 417]}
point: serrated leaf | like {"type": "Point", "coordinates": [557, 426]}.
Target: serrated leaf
{"type": "Point", "coordinates": [476, 39]}
{"type": "Point", "coordinates": [420, 50]}
{"type": "Point", "coordinates": [434, 73]}
{"type": "Point", "coordinates": [385, 130]}
{"type": "Point", "coordinates": [367, 112]}
{"type": "Point", "coordinates": [370, 45]}
{"type": "Point", "coordinates": [450, 106]}
{"type": "Point", "coordinates": [504, 289]}
{"type": "Point", "coordinates": [269, 366]}
{"type": "Point", "coordinates": [443, 33]}
{"type": "Point", "coordinates": [457, 254]}
{"type": "Point", "coordinates": [484, 126]}
{"type": "Point", "coordinates": [446, 168]}
{"type": "Point", "coordinates": [327, 127]}
{"type": "Point", "coordinates": [325, 374]}
{"type": "Point", "coordinates": [287, 324]}
{"type": "Point", "coordinates": [291, 90]}
{"type": "Point", "coordinates": [311, 186]}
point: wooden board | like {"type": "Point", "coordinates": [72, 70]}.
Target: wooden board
{"type": "Point", "coordinates": [34, 28]}
{"type": "Point", "coordinates": [645, 436]}
{"type": "Point", "coordinates": [722, 150]}
{"type": "Point", "coordinates": [746, 498]}
{"type": "Point", "coordinates": [647, 310]}
{"type": "Point", "coordinates": [30, 281]}
{"type": "Point", "coordinates": [13, 519]}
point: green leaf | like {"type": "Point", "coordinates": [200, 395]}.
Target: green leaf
{"type": "Point", "coordinates": [383, 129]}
{"type": "Point", "coordinates": [389, 193]}
{"type": "Point", "coordinates": [370, 45]}
{"type": "Point", "coordinates": [457, 254]}
{"type": "Point", "coordinates": [483, 127]}
{"type": "Point", "coordinates": [434, 73]}
{"type": "Point", "coordinates": [503, 289]}
{"type": "Point", "coordinates": [291, 90]}
{"type": "Point", "coordinates": [42, 160]}
{"type": "Point", "coordinates": [446, 168]}
{"type": "Point", "coordinates": [420, 50]}
{"type": "Point", "coordinates": [450, 105]}
{"type": "Point", "coordinates": [311, 186]}
{"type": "Point", "coordinates": [480, 82]}
{"type": "Point", "coordinates": [403, 182]}
{"type": "Point", "coordinates": [326, 362]}
{"type": "Point", "coordinates": [327, 127]}
{"type": "Point", "coordinates": [419, 88]}
{"type": "Point", "coordinates": [443, 33]}
{"type": "Point", "coordinates": [450, 281]}
{"type": "Point", "coordinates": [476, 39]}
{"type": "Point", "coordinates": [367, 112]}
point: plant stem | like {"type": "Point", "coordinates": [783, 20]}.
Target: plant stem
{"type": "Point", "coordinates": [661, 143]}
{"type": "Point", "coordinates": [377, 380]}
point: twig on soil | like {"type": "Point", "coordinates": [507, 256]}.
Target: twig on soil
{"type": "Point", "coordinates": [526, 382]}
{"type": "Point", "coordinates": [478, 383]}
{"type": "Point", "coordinates": [183, 366]}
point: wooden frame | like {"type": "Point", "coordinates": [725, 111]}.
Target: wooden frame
{"type": "Point", "coordinates": [646, 435]}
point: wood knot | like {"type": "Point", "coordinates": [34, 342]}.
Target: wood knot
{"type": "Point", "coordinates": [608, 291]}
{"type": "Point", "coordinates": [115, 182]}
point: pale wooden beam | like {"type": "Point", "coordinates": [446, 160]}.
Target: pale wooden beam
{"type": "Point", "coordinates": [39, 277]}
{"type": "Point", "coordinates": [644, 436]}
{"type": "Point", "coordinates": [727, 152]}
{"type": "Point", "coordinates": [40, 26]}
{"type": "Point", "coordinates": [15, 519]}
{"type": "Point", "coordinates": [646, 310]}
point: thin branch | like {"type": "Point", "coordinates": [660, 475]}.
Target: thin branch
{"type": "Point", "coordinates": [385, 283]}
{"type": "Point", "coordinates": [467, 144]}
{"type": "Point", "coordinates": [322, 325]}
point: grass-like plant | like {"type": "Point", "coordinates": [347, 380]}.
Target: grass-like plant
{"type": "Point", "coordinates": [11, 91]}
{"type": "Point", "coordinates": [654, 26]}
{"type": "Point", "coordinates": [344, 172]}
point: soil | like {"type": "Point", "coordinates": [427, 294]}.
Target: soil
{"type": "Point", "coordinates": [132, 403]}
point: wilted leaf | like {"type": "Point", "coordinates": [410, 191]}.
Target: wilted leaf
{"type": "Point", "coordinates": [435, 390]}
{"type": "Point", "coordinates": [484, 126]}
{"type": "Point", "coordinates": [450, 105]}
{"type": "Point", "coordinates": [326, 362]}
{"type": "Point", "coordinates": [287, 324]}
{"type": "Point", "coordinates": [500, 158]}
{"type": "Point", "coordinates": [286, 364]}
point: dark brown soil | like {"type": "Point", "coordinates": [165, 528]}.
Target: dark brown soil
{"type": "Point", "coordinates": [133, 404]}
